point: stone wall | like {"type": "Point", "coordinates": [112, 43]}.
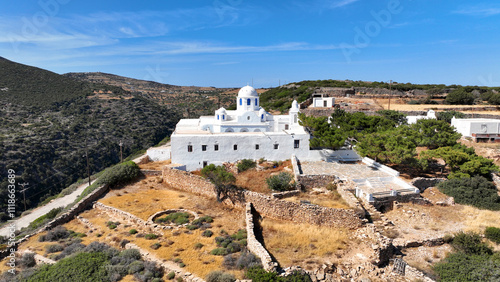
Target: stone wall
{"type": "Point", "coordinates": [263, 204]}
{"type": "Point", "coordinates": [151, 172]}
{"type": "Point", "coordinates": [254, 245]}
{"type": "Point", "coordinates": [423, 183]}
{"type": "Point", "coordinates": [344, 190]}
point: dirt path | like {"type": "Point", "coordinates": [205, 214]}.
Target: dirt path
{"type": "Point", "coordinates": [59, 202]}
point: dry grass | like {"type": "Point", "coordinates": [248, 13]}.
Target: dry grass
{"type": "Point", "coordinates": [290, 242]}
{"type": "Point", "coordinates": [329, 201]}
{"type": "Point", "coordinates": [477, 220]}
{"type": "Point", "coordinates": [254, 180]}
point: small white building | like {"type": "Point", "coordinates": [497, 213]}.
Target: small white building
{"type": "Point", "coordinates": [413, 119]}
{"type": "Point", "coordinates": [322, 102]}
{"type": "Point", "coordinates": [249, 132]}
{"type": "Point", "coordinates": [479, 129]}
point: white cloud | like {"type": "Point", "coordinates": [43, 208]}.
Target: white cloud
{"type": "Point", "coordinates": [478, 11]}
{"type": "Point", "coordinates": [342, 3]}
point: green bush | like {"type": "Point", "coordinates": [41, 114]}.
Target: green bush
{"type": "Point", "coordinates": [132, 231]}
{"type": "Point", "coordinates": [258, 274]}
{"type": "Point", "coordinates": [155, 246]}
{"type": "Point", "coordinates": [246, 164]}
{"type": "Point", "coordinates": [207, 233]}
{"type": "Point", "coordinates": [219, 276]}
{"type": "Point", "coordinates": [470, 243]}
{"type": "Point", "coordinates": [476, 191]}
{"type": "Point", "coordinates": [56, 234]}
{"type": "Point", "coordinates": [81, 267]}
{"type": "Point", "coordinates": [112, 224]}
{"type": "Point", "coordinates": [119, 174]}
{"type": "Point", "coordinates": [151, 236]}
{"type": "Point", "coordinates": [45, 218]}
{"type": "Point", "coordinates": [465, 267]}
{"type": "Point", "coordinates": [198, 246]}
{"type": "Point", "coordinates": [280, 182]}
{"type": "Point", "coordinates": [54, 248]}
{"type": "Point", "coordinates": [493, 233]}
{"type": "Point", "coordinates": [171, 275]}
{"type": "Point", "coordinates": [219, 252]}
{"type": "Point", "coordinates": [178, 218]}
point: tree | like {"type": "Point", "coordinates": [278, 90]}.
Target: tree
{"type": "Point", "coordinates": [395, 116]}
{"type": "Point", "coordinates": [432, 133]}
{"type": "Point", "coordinates": [448, 115]}
{"type": "Point", "coordinates": [476, 191]}
{"type": "Point", "coordinates": [387, 146]}
{"type": "Point", "coordinates": [459, 97]}
{"type": "Point", "coordinates": [222, 179]}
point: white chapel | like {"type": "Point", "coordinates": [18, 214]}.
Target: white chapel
{"type": "Point", "coordinates": [249, 132]}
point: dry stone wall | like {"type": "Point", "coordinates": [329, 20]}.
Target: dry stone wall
{"type": "Point", "coordinates": [265, 205]}
{"type": "Point", "coordinates": [254, 245]}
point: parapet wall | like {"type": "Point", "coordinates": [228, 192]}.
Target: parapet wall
{"type": "Point", "coordinates": [263, 204]}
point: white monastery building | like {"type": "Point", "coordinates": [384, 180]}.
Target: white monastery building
{"type": "Point", "coordinates": [479, 129]}
{"type": "Point", "coordinates": [249, 132]}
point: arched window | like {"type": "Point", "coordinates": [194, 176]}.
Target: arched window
{"type": "Point", "coordinates": [241, 101]}
{"type": "Point", "coordinates": [244, 130]}
{"type": "Point", "coordinates": [249, 102]}
{"type": "Point", "coordinates": [229, 130]}
{"type": "Point", "coordinates": [256, 101]}
{"type": "Point", "coordinates": [223, 117]}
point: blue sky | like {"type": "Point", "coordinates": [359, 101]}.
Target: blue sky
{"type": "Point", "coordinates": [229, 43]}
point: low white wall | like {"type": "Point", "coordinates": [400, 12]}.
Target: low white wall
{"type": "Point", "coordinates": [159, 154]}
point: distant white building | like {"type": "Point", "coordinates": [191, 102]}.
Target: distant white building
{"type": "Point", "coordinates": [249, 132]}
{"type": "Point", "coordinates": [322, 102]}
{"type": "Point", "coordinates": [479, 129]}
{"type": "Point", "coordinates": [413, 119]}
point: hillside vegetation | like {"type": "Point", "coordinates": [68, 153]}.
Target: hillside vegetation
{"type": "Point", "coordinates": [280, 98]}
{"type": "Point", "coordinates": [45, 140]}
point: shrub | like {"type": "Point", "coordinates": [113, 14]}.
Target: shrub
{"type": "Point", "coordinates": [246, 164]}
{"type": "Point", "coordinates": [81, 267]}
{"type": "Point", "coordinates": [45, 218]}
{"type": "Point", "coordinates": [247, 260]}
{"type": "Point", "coordinates": [178, 218]}
{"type": "Point", "coordinates": [233, 247]}
{"type": "Point", "coordinates": [27, 260]}
{"type": "Point", "coordinates": [70, 249]}
{"type": "Point", "coordinates": [155, 246]}
{"type": "Point", "coordinates": [258, 274]}
{"type": "Point", "coordinates": [219, 276]}
{"type": "Point", "coordinates": [54, 248]}
{"type": "Point", "coordinates": [207, 233]}
{"type": "Point", "coordinates": [132, 231]}
{"type": "Point", "coordinates": [198, 246]}
{"type": "Point", "coordinates": [133, 254]}
{"type": "Point", "coordinates": [470, 243]}
{"type": "Point", "coordinates": [219, 252]}
{"type": "Point", "coordinates": [476, 191]}
{"type": "Point", "coordinates": [182, 264]}
{"type": "Point", "coordinates": [119, 174]}
{"type": "Point", "coordinates": [171, 275]}
{"type": "Point", "coordinates": [280, 182]}
{"type": "Point", "coordinates": [151, 236]}
{"type": "Point", "coordinates": [464, 267]}
{"type": "Point", "coordinates": [123, 243]}
{"type": "Point", "coordinates": [493, 233]}
{"type": "Point", "coordinates": [135, 267]}
{"type": "Point", "coordinates": [241, 234]}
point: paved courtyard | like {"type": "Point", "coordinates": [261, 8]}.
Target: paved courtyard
{"type": "Point", "coordinates": [343, 171]}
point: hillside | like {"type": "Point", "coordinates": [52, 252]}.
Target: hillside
{"type": "Point", "coordinates": [280, 98]}
{"type": "Point", "coordinates": [44, 132]}
{"type": "Point", "coordinates": [191, 101]}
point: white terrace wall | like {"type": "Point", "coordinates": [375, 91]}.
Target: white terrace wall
{"type": "Point", "coordinates": [265, 205]}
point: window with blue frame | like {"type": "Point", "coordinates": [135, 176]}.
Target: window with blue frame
{"type": "Point", "coordinates": [217, 117]}
{"type": "Point", "coordinates": [241, 101]}
{"type": "Point", "coordinates": [249, 102]}
{"type": "Point", "coordinates": [256, 101]}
